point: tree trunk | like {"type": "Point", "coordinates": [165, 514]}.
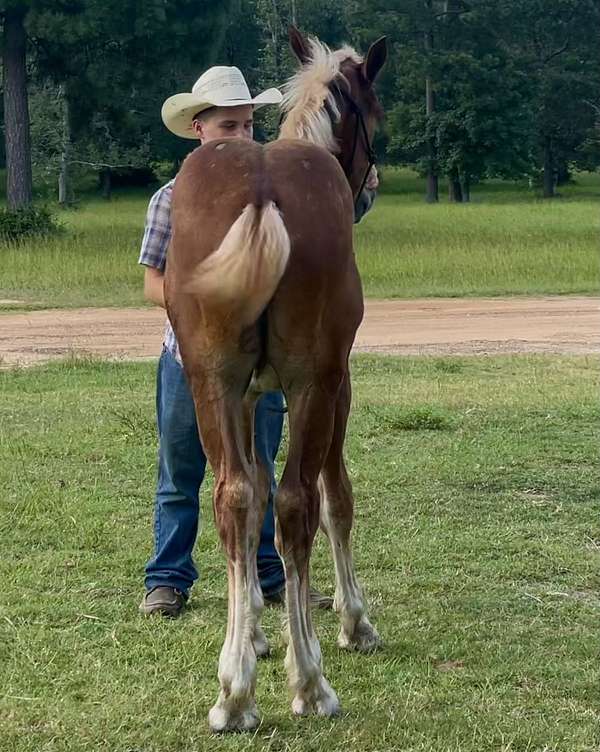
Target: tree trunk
{"type": "Point", "coordinates": [275, 40]}
{"type": "Point", "coordinates": [432, 195]}
{"type": "Point", "coordinates": [454, 187]}
{"type": "Point", "coordinates": [466, 187]}
{"type": "Point", "coordinates": [16, 111]}
{"type": "Point", "coordinates": [563, 175]}
{"type": "Point", "coordinates": [105, 180]}
{"type": "Point", "coordinates": [548, 169]}
{"type": "Point", "coordinates": [64, 187]}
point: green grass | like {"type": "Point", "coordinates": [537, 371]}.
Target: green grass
{"type": "Point", "coordinates": [506, 241]}
{"type": "Point", "coordinates": [477, 541]}
{"type": "Point", "coordinates": [93, 264]}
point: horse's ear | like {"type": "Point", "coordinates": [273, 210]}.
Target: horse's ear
{"type": "Point", "coordinates": [375, 59]}
{"type": "Point", "coordinates": [299, 45]}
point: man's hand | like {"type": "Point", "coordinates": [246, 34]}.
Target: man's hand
{"type": "Point", "coordinates": [372, 179]}
{"type": "Point", "coordinates": [154, 286]}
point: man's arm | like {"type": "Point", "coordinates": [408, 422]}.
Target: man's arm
{"type": "Point", "coordinates": [157, 235]}
{"type": "Point", "coordinates": [154, 286]}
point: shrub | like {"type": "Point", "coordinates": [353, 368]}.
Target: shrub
{"type": "Point", "coordinates": [133, 177]}
{"type": "Point", "coordinates": [23, 223]}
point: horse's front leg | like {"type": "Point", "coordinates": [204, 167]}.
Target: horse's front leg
{"type": "Point", "coordinates": [337, 508]}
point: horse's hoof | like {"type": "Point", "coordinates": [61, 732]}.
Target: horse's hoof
{"type": "Point", "coordinates": [320, 699]}
{"type": "Point", "coordinates": [223, 721]}
{"type": "Point", "coordinates": [364, 638]}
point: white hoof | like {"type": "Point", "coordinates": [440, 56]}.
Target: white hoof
{"type": "Point", "coordinates": [222, 719]}
{"type": "Point", "coordinates": [364, 638]}
{"type": "Point", "coordinates": [319, 698]}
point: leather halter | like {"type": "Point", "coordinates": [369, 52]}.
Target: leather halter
{"type": "Point", "coordinates": [360, 127]}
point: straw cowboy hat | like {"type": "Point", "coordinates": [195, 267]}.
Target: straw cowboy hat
{"type": "Point", "coordinates": [220, 86]}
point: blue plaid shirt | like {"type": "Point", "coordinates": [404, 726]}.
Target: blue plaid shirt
{"type": "Point", "coordinates": [155, 243]}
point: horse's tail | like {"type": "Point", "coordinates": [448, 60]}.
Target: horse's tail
{"type": "Point", "coordinates": [244, 271]}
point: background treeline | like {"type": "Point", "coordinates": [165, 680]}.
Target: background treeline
{"type": "Point", "coordinates": [484, 88]}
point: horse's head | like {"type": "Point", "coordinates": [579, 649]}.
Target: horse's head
{"type": "Point", "coordinates": [331, 101]}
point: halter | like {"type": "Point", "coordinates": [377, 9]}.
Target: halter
{"type": "Point", "coordinates": [359, 127]}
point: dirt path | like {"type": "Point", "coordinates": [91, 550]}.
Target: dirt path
{"type": "Point", "coordinates": [432, 326]}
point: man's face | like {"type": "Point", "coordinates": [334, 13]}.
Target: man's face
{"type": "Point", "coordinates": [225, 122]}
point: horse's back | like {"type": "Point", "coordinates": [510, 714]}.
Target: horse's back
{"type": "Point", "coordinates": [219, 179]}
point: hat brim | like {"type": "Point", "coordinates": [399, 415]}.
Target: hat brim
{"type": "Point", "coordinates": [178, 111]}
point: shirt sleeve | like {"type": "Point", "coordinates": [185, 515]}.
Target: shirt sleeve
{"type": "Point", "coordinates": [157, 232]}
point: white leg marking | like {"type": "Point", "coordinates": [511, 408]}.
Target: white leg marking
{"type": "Point", "coordinates": [356, 632]}
{"type": "Point", "coordinates": [312, 692]}
{"type": "Point", "coordinates": [235, 709]}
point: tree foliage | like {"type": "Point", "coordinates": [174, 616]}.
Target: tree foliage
{"type": "Point", "coordinates": [472, 88]}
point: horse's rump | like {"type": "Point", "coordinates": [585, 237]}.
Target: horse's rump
{"type": "Point", "coordinates": [218, 181]}
{"type": "Point", "coordinates": [253, 222]}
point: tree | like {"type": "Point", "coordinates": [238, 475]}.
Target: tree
{"type": "Point", "coordinates": [556, 43]}
{"type": "Point", "coordinates": [16, 113]}
{"type": "Point", "coordinates": [113, 103]}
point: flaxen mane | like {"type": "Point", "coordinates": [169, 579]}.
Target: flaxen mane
{"type": "Point", "coordinates": [308, 101]}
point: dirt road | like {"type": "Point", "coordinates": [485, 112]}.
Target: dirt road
{"type": "Point", "coordinates": [433, 326]}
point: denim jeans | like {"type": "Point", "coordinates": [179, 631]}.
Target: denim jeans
{"type": "Point", "coordinates": [181, 467]}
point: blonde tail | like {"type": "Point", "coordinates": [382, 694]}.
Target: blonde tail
{"type": "Point", "coordinates": [244, 271]}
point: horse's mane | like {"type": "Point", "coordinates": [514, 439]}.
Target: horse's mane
{"type": "Point", "coordinates": [308, 102]}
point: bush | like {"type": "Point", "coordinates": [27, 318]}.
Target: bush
{"type": "Point", "coordinates": [133, 177]}
{"type": "Point", "coordinates": [23, 223]}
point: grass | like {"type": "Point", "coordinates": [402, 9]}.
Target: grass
{"type": "Point", "coordinates": [477, 541]}
{"type": "Point", "coordinates": [506, 241]}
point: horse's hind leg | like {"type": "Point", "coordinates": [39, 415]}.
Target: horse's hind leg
{"type": "Point", "coordinates": [311, 411]}
{"type": "Point", "coordinates": [336, 519]}
{"type": "Point", "coordinates": [241, 489]}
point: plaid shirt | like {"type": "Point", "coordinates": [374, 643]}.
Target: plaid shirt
{"type": "Point", "coordinates": [155, 243]}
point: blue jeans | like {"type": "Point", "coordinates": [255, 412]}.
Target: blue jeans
{"type": "Point", "coordinates": [181, 467]}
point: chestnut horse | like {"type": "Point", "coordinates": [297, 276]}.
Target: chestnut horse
{"type": "Point", "coordinates": [263, 293]}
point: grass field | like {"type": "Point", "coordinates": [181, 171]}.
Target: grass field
{"type": "Point", "coordinates": [506, 241]}
{"type": "Point", "coordinates": [477, 540]}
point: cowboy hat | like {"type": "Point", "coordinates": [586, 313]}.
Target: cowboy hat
{"type": "Point", "coordinates": [220, 86]}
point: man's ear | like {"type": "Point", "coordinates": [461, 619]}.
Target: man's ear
{"type": "Point", "coordinates": [375, 59]}
{"type": "Point", "coordinates": [197, 127]}
{"type": "Point", "coordinates": [299, 44]}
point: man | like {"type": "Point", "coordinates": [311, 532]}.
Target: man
{"type": "Point", "coordinates": [218, 107]}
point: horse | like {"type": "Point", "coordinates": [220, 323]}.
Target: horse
{"type": "Point", "coordinates": [263, 293]}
